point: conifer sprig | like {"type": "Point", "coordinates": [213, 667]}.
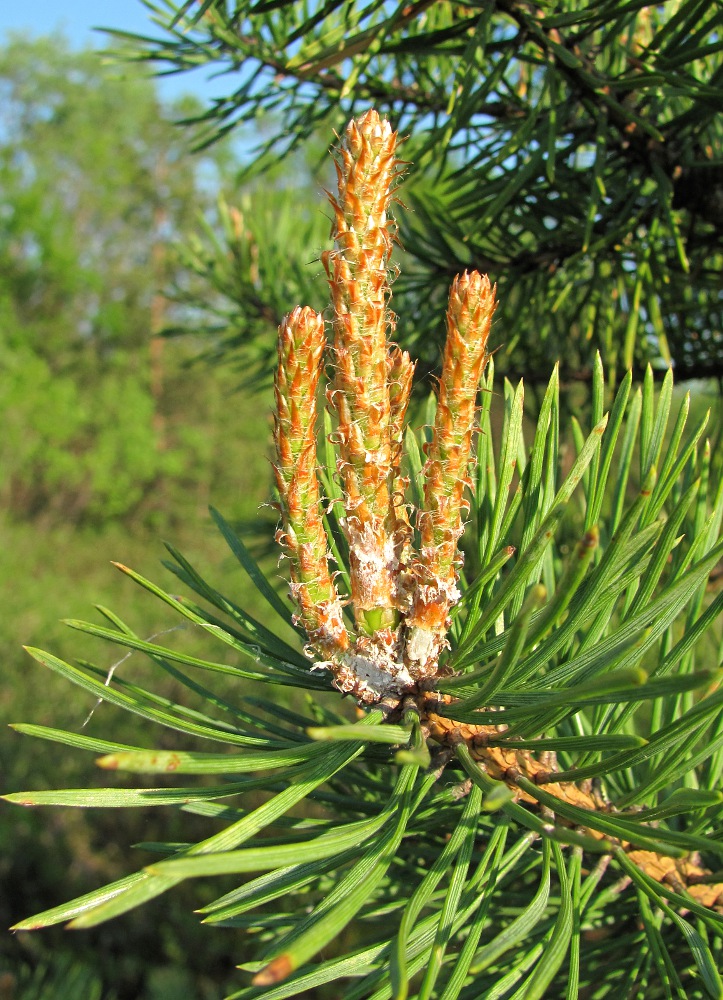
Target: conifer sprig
{"type": "Point", "coordinates": [441, 520]}
{"type": "Point", "coordinates": [401, 600]}
{"type": "Point", "coordinates": [301, 353]}
{"type": "Point", "coordinates": [402, 596]}
{"type": "Point", "coordinates": [357, 269]}
{"type": "Point", "coordinates": [528, 733]}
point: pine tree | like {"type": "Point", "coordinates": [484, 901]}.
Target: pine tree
{"type": "Point", "coordinates": [526, 802]}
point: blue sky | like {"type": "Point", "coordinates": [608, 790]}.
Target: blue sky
{"type": "Point", "coordinates": [77, 19]}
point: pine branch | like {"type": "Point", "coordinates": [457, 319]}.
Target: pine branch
{"type": "Point", "coordinates": [532, 780]}
{"type": "Point", "coordinates": [573, 151]}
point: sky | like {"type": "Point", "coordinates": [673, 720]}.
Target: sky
{"type": "Point", "coordinates": [77, 20]}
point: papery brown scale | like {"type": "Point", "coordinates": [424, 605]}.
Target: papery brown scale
{"type": "Point", "coordinates": [279, 478]}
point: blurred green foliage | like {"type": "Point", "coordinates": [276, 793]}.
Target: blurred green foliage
{"type": "Point", "coordinates": [108, 437]}
{"type": "Point", "coordinates": [95, 185]}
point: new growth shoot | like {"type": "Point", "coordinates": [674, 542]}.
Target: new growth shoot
{"type": "Point", "coordinates": [403, 560]}
{"type": "Point", "coordinates": [401, 595]}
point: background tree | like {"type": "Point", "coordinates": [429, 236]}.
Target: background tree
{"type": "Point", "coordinates": [95, 185]}
{"type": "Point", "coordinates": [81, 202]}
{"type": "Point", "coordinates": [573, 152]}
